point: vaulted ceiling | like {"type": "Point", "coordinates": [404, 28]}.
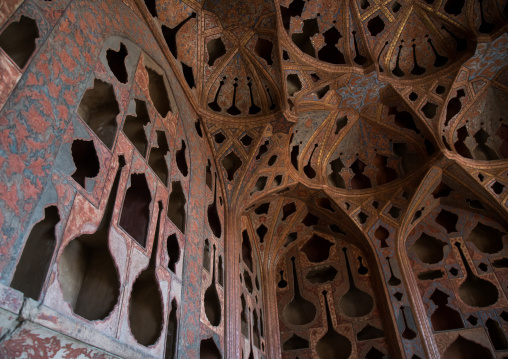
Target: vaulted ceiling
{"type": "Point", "coordinates": [341, 96]}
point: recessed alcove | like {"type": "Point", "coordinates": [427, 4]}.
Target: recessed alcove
{"type": "Point", "coordinates": [116, 63]}
{"type": "Point", "coordinates": [216, 50]}
{"type": "Point", "coordinates": [172, 331]}
{"type": "Point", "coordinates": [208, 350]}
{"type": "Point", "coordinates": [145, 302]}
{"type": "Point", "coordinates": [206, 255]}
{"type": "Point", "coordinates": [134, 127]}
{"type": "Point", "coordinates": [263, 49]}
{"type": "Point", "coordinates": [176, 206]}
{"type": "Point", "coordinates": [321, 275]}
{"type": "Point", "coordinates": [277, 180]}
{"type": "Point", "coordinates": [463, 348]}
{"type": "Point", "coordinates": [259, 185]}
{"type": "Point", "coordinates": [262, 209]}
{"type": "Point", "coordinates": [429, 249]}
{"type": "Point", "coordinates": [248, 281]}
{"type": "Point", "coordinates": [369, 332]}
{"type": "Point", "coordinates": [444, 317]}
{"type": "Point", "coordinates": [87, 272]}
{"type": "Point", "coordinates": [376, 25]}
{"type": "Point", "coordinates": [151, 5]}
{"type": "Point", "coordinates": [208, 175]}
{"type": "Point", "coordinates": [295, 342]}
{"type": "Point", "coordinates": [211, 301]}
{"type": "Point", "coordinates": [135, 217]}
{"type": "Point", "coordinates": [99, 109]}
{"type": "Point", "coordinates": [158, 92]}
{"type": "Point", "coordinates": [181, 159]}
{"type": "Point", "coordinates": [246, 250]}
{"type": "Point", "coordinates": [262, 150]}
{"type": "Point", "coordinates": [86, 161]}
{"type": "Point", "coordinates": [173, 248]}
{"type": "Point", "coordinates": [231, 164]}
{"type": "Point", "coordinates": [487, 239]}
{"type": "Point", "coordinates": [431, 274]}
{"type": "Point", "coordinates": [243, 317]}
{"type": "Point", "coordinates": [261, 232]}
{"type": "Point", "coordinates": [246, 140]}
{"type": "Point", "coordinates": [293, 84]}
{"type": "Point", "coordinates": [287, 210]}
{"type": "Point", "coordinates": [325, 203]}
{"type": "Point", "coordinates": [18, 40]}
{"type": "Point", "coordinates": [448, 220]}
{"type": "Point", "coordinates": [310, 220]}
{"type": "Point", "coordinates": [317, 249]}
{"type": "Point", "coordinates": [157, 158]}
{"type": "Point", "coordinates": [293, 236]}
{"type": "Point", "coordinates": [496, 334]}
{"type": "Point", "coordinates": [32, 268]}
{"type": "Point", "coordinates": [220, 272]}
{"type": "Point", "coordinates": [382, 235]}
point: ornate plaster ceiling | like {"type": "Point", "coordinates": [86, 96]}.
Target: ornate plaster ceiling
{"type": "Point", "coordinates": [341, 96]}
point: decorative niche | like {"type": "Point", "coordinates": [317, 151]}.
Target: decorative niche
{"type": "Point", "coordinates": [176, 206]}
{"type": "Point", "coordinates": [99, 109]}
{"type": "Point", "coordinates": [135, 217]}
{"type": "Point", "coordinates": [18, 40]}
{"type": "Point", "coordinates": [32, 268]}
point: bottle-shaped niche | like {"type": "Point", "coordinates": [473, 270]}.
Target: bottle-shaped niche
{"type": "Point", "coordinates": [356, 302]}
{"type": "Point", "coordinates": [475, 291]}
{"type": "Point", "coordinates": [299, 311]}
{"type": "Point", "coordinates": [332, 345]}
{"type": "Point", "coordinates": [145, 305]}
{"type": "Point", "coordinates": [86, 271]}
{"type": "Point", "coordinates": [211, 299]}
{"type": "Point", "coordinates": [213, 214]}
